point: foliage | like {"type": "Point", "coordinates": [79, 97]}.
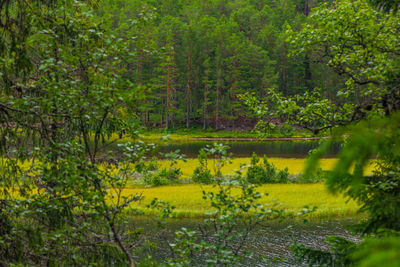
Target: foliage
{"type": "Point", "coordinates": [340, 249]}
{"type": "Point", "coordinates": [381, 251]}
{"type": "Point", "coordinates": [221, 241]}
{"type": "Point", "coordinates": [310, 111]}
{"type": "Point", "coordinates": [220, 157]}
{"type": "Point", "coordinates": [61, 89]}
{"type": "Point", "coordinates": [191, 59]}
{"type": "Point", "coordinates": [202, 174]}
{"type": "Point", "coordinates": [386, 5]}
{"type": "Point", "coordinates": [165, 175]}
{"type": "Point", "coordinates": [265, 173]}
{"type": "Point", "coordinates": [159, 178]}
{"type": "Point", "coordinates": [377, 194]}
{"type": "Point", "coordinates": [361, 43]}
{"type": "Point", "coordinates": [316, 176]}
{"type": "Point", "coordinates": [374, 252]}
{"type": "Point", "coordinates": [294, 165]}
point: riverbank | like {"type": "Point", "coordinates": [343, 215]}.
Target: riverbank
{"type": "Point", "coordinates": [184, 135]}
{"type": "Point", "coordinates": [188, 199]}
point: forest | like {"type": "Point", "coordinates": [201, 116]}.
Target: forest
{"type": "Point", "coordinates": [199, 133]}
{"type": "Point", "coordinates": [192, 59]}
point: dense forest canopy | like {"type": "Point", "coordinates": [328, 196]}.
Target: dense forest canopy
{"type": "Point", "coordinates": [191, 59]}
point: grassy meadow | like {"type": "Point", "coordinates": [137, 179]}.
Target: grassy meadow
{"type": "Point", "coordinates": [291, 197]}
{"type": "Point", "coordinates": [187, 198]}
{"type": "Point", "coordinates": [294, 165]}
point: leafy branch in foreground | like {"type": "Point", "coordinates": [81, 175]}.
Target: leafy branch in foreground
{"type": "Point", "coordinates": [361, 44]}
{"type": "Point", "coordinates": [221, 240]}
{"type": "Point", "coordinates": [59, 98]}
{"type": "Point", "coordinates": [310, 111]}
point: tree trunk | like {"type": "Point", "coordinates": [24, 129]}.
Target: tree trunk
{"type": "Point", "coordinates": [188, 93]}
{"type": "Point", "coordinates": [205, 107]}
{"type": "Point", "coordinates": [168, 95]}
{"type": "Point", "coordinates": [219, 83]}
{"type": "Point", "coordinates": [205, 100]}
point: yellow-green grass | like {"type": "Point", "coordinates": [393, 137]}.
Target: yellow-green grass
{"type": "Point", "coordinates": [294, 165]}
{"type": "Point", "coordinates": [291, 197]}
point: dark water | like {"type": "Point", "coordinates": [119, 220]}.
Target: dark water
{"type": "Point", "coordinates": [282, 149]}
{"type": "Point", "coordinates": [271, 241]}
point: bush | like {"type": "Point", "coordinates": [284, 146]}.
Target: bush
{"type": "Point", "coordinates": [202, 174]}
{"type": "Point", "coordinates": [319, 176]}
{"type": "Point", "coordinates": [286, 129]}
{"type": "Point", "coordinates": [265, 173]}
{"type": "Point", "coordinates": [163, 177]}
{"type": "Point", "coordinates": [147, 166]}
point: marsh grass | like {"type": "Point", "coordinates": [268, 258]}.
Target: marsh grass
{"type": "Point", "coordinates": [187, 198]}
{"type": "Point", "coordinates": [291, 197]}
{"type": "Point", "coordinates": [295, 165]}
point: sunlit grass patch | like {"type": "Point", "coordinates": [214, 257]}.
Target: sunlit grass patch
{"type": "Point", "coordinates": [189, 202]}
{"type": "Point", "coordinates": [295, 165]}
{"type": "Point", "coordinates": [291, 197]}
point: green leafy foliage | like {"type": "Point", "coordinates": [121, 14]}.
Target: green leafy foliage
{"type": "Point", "coordinates": [202, 174]}
{"type": "Point", "coordinates": [265, 173]}
{"type": "Point", "coordinates": [386, 5]}
{"type": "Point", "coordinates": [221, 240]}
{"type": "Point", "coordinates": [360, 43]}
{"type": "Point", "coordinates": [63, 100]}
{"type": "Point", "coordinates": [311, 111]}
{"type": "Point", "coordinates": [378, 194]}
{"type": "Point", "coordinates": [311, 177]}
{"type": "Point", "coordinates": [338, 255]}
{"type": "Point", "coordinates": [377, 252]}
{"type": "Point", "coordinates": [220, 157]}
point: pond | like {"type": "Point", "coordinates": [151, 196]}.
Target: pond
{"type": "Point", "coordinates": [271, 241]}
{"type": "Point", "coordinates": [280, 149]}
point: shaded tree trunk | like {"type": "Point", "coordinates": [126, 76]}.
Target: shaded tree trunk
{"type": "Point", "coordinates": [188, 92]}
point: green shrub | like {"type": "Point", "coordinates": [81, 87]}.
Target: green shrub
{"type": "Point", "coordinates": [154, 179]}
{"type": "Point", "coordinates": [202, 174]}
{"type": "Point", "coordinates": [319, 176]}
{"type": "Point", "coordinates": [152, 165]}
{"type": "Point", "coordinates": [265, 173]}
{"type": "Point", "coordinates": [147, 166]}
{"type": "Point", "coordinates": [286, 129]}
{"type": "Point", "coordinates": [163, 177]}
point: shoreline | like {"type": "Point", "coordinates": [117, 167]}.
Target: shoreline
{"type": "Point", "coordinates": [256, 139]}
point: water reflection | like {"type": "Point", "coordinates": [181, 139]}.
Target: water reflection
{"type": "Point", "coordinates": [284, 149]}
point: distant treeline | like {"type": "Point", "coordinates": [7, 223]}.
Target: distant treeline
{"type": "Point", "coordinates": [192, 58]}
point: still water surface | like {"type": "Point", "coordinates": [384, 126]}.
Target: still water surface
{"type": "Point", "coordinates": [270, 241]}
{"type": "Point", "coordinates": [282, 149]}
